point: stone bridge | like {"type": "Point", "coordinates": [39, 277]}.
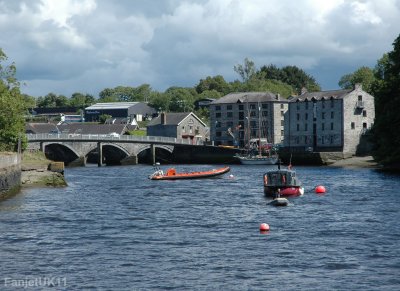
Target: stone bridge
{"type": "Point", "coordinates": [77, 150]}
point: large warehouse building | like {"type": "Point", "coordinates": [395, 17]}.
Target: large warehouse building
{"type": "Point", "coordinates": [131, 110]}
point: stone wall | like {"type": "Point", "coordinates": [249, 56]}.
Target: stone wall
{"type": "Point", "coordinates": [358, 118]}
{"type": "Point", "coordinates": [10, 173]}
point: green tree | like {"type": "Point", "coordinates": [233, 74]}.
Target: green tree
{"type": "Point", "coordinates": [30, 101]}
{"type": "Point", "coordinates": [12, 107]}
{"type": "Point", "coordinates": [81, 101]}
{"type": "Point", "coordinates": [274, 86]}
{"type": "Point", "coordinates": [141, 93]}
{"type": "Point", "coordinates": [77, 100]}
{"type": "Point", "coordinates": [216, 83]}
{"type": "Point", "coordinates": [204, 115]}
{"type": "Point", "coordinates": [245, 71]}
{"type": "Point", "coordinates": [52, 100]}
{"type": "Point", "coordinates": [159, 101]}
{"type": "Point", "coordinates": [210, 94]}
{"type": "Point", "coordinates": [107, 95]}
{"type": "Point", "coordinates": [379, 74]}
{"type": "Point", "coordinates": [90, 100]}
{"type": "Point", "coordinates": [363, 75]}
{"type": "Point", "coordinates": [387, 104]}
{"type": "Point", "coordinates": [291, 75]}
{"type": "Point", "coordinates": [181, 99]}
{"type": "Point", "coordinates": [103, 118]}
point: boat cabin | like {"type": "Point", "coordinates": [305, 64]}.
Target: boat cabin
{"type": "Point", "coordinates": [281, 178]}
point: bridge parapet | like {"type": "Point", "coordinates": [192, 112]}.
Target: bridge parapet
{"type": "Point", "coordinates": [107, 138]}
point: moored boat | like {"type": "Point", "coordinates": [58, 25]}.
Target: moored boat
{"type": "Point", "coordinates": [282, 182]}
{"type": "Point", "coordinates": [172, 174]}
{"type": "Point", "coordinates": [280, 201]}
{"type": "Point", "coordinates": [258, 160]}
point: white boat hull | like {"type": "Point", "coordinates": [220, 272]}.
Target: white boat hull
{"type": "Point", "coordinates": [258, 160]}
{"type": "Point", "coordinates": [280, 201]}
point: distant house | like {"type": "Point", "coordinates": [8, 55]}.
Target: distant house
{"type": "Point", "coordinates": [75, 129]}
{"type": "Point", "coordinates": [55, 113]}
{"type": "Point", "coordinates": [138, 111]}
{"type": "Point", "coordinates": [92, 129]}
{"type": "Point", "coordinates": [70, 118]}
{"type": "Point", "coordinates": [178, 125]}
{"type": "Point", "coordinates": [38, 128]}
{"type": "Point", "coordinates": [333, 121]}
{"type": "Point", "coordinates": [132, 124]}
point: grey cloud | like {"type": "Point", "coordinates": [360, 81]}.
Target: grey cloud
{"type": "Point", "coordinates": [176, 43]}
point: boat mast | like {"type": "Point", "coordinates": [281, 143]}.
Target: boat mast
{"type": "Point", "coordinates": [259, 129]}
{"type": "Point", "coordinates": [248, 135]}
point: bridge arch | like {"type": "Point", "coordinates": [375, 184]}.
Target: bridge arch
{"type": "Point", "coordinates": [163, 154]}
{"type": "Point", "coordinates": [112, 154]}
{"type": "Point", "coordinates": [57, 151]}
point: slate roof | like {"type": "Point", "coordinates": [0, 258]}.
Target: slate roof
{"type": "Point", "coordinates": [172, 118]}
{"type": "Point", "coordinates": [36, 128]}
{"type": "Point", "coordinates": [248, 97]}
{"type": "Point", "coordinates": [87, 128]}
{"type": "Point", "coordinates": [309, 96]}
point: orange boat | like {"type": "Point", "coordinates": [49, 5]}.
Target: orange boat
{"type": "Point", "coordinates": [171, 174]}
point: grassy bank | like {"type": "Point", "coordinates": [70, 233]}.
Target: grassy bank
{"type": "Point", "coordinates": [34, 160]}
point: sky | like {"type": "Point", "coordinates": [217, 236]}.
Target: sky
{"type": "Point", "coordinates": [85, 46]}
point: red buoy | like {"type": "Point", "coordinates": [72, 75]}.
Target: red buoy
{"type": "Point", "coordinates": [320, 189]}
{"type": "Point", "coordinates": [264, 227]}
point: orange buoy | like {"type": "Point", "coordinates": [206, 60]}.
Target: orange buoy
{"type": "Point", "coordinates": [264, 227]}
{"type": "Point", "coordinates": [320, 189]}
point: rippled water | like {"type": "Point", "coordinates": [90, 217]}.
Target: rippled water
{"type": "Point", "coordinates": [114, 229]}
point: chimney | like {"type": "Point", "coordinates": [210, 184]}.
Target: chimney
{"type": "Point", "coordinates": [163, 118]}
{"type": "Point", "coordinates": [358, 86]}
{"type": "Point", "coordinates": [303, 90]}
{"type": "Point", "coordinates": [277, 96]}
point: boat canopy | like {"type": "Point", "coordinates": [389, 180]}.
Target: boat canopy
{"type": "Point", "coordinates": [281, 178]}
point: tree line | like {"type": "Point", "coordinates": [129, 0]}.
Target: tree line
{"type": "Point", "coordinates": [285, 81]}
{"type": "Point", "coordinates": [382, 81]}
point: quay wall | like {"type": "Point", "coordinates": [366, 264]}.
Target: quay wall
{"type": "Point", "coordinates": [10, 173]}
{"type": "Point", "coordinates": [204, 154]}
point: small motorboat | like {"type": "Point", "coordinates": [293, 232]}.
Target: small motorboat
{"type": "Point", "coordinates": [172, 174]}
{"type": "Point", "coordinates": [282, 182]}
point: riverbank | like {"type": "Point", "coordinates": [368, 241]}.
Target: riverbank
{"type": "Point", "coordinates": [35, 171]}
{"type": "Point", "coordinates": [356, 162]}
{"type": "Point", "coordinates": [10, 174]}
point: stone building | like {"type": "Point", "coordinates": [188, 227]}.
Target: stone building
{"type": "Point", "coordinates": [329, 121]}
{"type": "Point", "coordinates": [179, 125]}
{"type": "Point", "coordinates": [238, 117]}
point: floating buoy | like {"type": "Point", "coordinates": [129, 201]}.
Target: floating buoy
{"type": "Point", "coordinates": [264, 227]}
{"type": "Point", "coordinates": [320, 189]}
{"type": "Point", "coordinates": [231, 176]}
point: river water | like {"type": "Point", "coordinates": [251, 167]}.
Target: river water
{"type": "Point", "coordinates": [113, 229]}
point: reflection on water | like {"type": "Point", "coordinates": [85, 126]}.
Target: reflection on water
{"type": "Point", "coordinates": [113, 228]}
